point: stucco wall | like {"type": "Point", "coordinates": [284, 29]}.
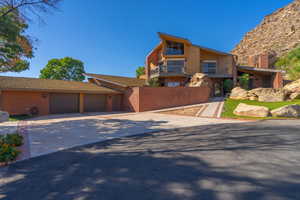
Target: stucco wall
{"type": "Point", "coordinates": [18, 103]}
{"type": "Point", "coordinates": [148, 98]}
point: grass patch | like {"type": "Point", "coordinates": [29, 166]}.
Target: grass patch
{"type": "Point", "coordinates": [19, 117]}
{"type": "Point", "coordinates": [231, 104]}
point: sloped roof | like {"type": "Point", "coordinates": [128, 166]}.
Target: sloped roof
{"type": "Point", "coordinates": [119, 80]}
{"type": "Point", "coordinates": [166, 35]}
{"type": "Point", "coordinates": [36, 84]}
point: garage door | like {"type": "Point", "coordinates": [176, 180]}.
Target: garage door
{"type": "Point", "coordinates": [64, 103]}
{"type": "Point", "coordinates": [116, 102]}
{"type": "Point", "coordinates": [94, 103]}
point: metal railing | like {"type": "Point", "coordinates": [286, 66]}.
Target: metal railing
{"type": "Point", "coordinates": [168, 70]}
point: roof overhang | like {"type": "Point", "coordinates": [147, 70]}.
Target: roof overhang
{"type": "Point", "coordinates": [58, 91]}
{"type": "Point", "coordinates": [105, 80]}
{"type": "Point", "coordinates": [165, 36]}
{"type": "Point", "coordinates": [254, 70]}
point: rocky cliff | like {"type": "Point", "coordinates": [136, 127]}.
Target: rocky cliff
{"type": "Point", "coordinates": [277, 34]}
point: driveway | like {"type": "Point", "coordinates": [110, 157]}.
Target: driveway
{"type": "Point", "coordinates": [54, 133]}
{"type": "Point", "coordinates": [242, 161]}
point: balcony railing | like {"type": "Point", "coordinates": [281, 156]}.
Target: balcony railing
{"type": "Point", "coordinates": [167, 70]}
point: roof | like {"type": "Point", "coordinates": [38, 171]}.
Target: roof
{"type": "Point", "coordinates": [166, 35]}
{"type": "Point", "coordinates": [47, 85]}
{"type": "Point", "coordinates": [119, 80]}
{"type": "Point", "coordinates": [254, 69]}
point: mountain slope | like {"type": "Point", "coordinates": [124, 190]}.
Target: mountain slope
{"type": "Point", "coordinates": [277, 34]}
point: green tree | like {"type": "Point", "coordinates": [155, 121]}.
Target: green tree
{"type": "Point", "coordinates": [140, 71]}
{"type": "Point", "coordinates": [290, 63]}
{"type": "Point", "coordinates": [15, 46]}
{"type": "Point", "coordinates": [244, 81]}
{"type": "Point", "coordinates": [63, 69]}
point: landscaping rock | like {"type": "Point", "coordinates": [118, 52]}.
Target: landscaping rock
{"type": "Point", "coordinates": [199, 80]}
{"type": "Point", "coordinates": [251, 111]}
{"type": "Point", "coordinates": [4, 116]}
{"type": "Point", "coordinates": [295, 95]}
{"type": "Point", "coordinates": [239, 93]}
{"type": "Point", "coordinates": [287, 111]}
{"type": "Point", "coordinates": [268, 94]}
{"type": "Point", "coordinates": [293, 86]}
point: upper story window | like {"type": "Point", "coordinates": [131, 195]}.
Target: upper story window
{"type": "Point", "coordinates": [174, 48]}
{"type": "Point", "coordinates": [209, 66]}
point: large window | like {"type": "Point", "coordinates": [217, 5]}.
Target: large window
{"type": "Point", "coordinates": [174, 48]}
{"type": "Point", "coordinates": [209, 67]}
{"type": "Point", "coordinates": [175, 65]}
{"type": "Point", "coordinates": [173, 84]}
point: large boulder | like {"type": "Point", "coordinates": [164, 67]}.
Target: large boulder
{"type": "Point", "coordinates": [287, 111]}
{"type": "Point", "coordinates": [4, 116]}
{"type": "Point", "coordinates": [199, 80]}
{"type": "Point", "coordinates": [295, 95]}
{"type": "Point", "coordinates": [268, 94]}
{"type": "Point", "coordinates": [238, 93]}
{"type": "Point", "coordinates": [251, 111]}
{"type": "Point", "coordinates": [293, 86]}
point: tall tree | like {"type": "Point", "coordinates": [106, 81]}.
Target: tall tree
{"type": "Point", "coordinates": [140, 71]}
{"type": "Point", "coordinates": [28, 8]}
{"type": "Point", "coordinates": [16, 48]}
{"type": "Point", "coordinates": [63, 69]}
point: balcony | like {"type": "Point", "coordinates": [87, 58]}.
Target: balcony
{"type": "Point", "coordinates": [165, 71]}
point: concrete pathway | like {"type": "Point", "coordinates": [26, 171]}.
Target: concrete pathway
{"type": "Point", "coordinates": [50, 134]}
{"type": "Point", "coordinates": [213, 108]}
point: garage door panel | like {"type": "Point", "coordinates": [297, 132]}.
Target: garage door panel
{"type": "Point", "coordinates": [64, 103]}
{"type": "Point", "coordinates": [94, 103]}
{"type": "Point", "coordinates": [116, 102]}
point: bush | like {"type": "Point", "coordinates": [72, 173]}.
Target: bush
{"type": "Point", "coordinates": [8, 153]}
{"type": "Point", "coordinates": [14, 139]}
{"type": "Point", "coordinates": [8, 144]}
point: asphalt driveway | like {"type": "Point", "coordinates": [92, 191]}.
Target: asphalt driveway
{"type": "Point", "coordinates": [252, 160]}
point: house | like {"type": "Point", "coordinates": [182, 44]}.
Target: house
{"type": "Point", "coordinates": [20, 96]}
{"type": "Point", "coordinates": [262, 72]}
{"type": "Point", "coordinates": [174, 60]}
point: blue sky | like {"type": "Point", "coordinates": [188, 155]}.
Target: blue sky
{"type": "Point", "coordinates": [114, 36]}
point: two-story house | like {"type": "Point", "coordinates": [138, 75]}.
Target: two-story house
{"type": "Point", "coordinates": [174, 60]}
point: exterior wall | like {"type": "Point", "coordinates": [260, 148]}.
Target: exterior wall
{"type": "Point", "coordinates": [225, 63]}
{"type": "Point", "coordinates": [278, 81]}
{"type": "Point", "coordinates": [147, 98]}
{"type": "Point", "coordinates": [131, 99]}
{"type": "Point", "coordinates": [193, 60]}
{"type": "Point", "coordinates": [19, 103]}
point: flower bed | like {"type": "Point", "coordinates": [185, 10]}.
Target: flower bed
{"type": "Point", "coordinates": [8, 147]}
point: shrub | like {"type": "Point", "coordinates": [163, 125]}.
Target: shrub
{"type": "Point", "coordinates": [8, 153]}
{"type": "Point", "coordinates": [14, 139]}
{"type": "Point", "coordinates": [8, 144]}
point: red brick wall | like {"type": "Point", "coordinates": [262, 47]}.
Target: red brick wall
{"type": "Point", "coordinates": [18, 103]}
{"type": "Point", "coordinates": [148, 98]}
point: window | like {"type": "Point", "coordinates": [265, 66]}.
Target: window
{"type": "Point", "coordinates": [209, 67]}
{"type": "Point", "coordinates": [174, 48]}
{"type": "Point", "coordinates": [175, 66]}
{"type": "Point", "coordinates": [173, 84]}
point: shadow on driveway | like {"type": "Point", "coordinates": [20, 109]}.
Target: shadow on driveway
{"type": "Point", "coordinates": [228, 161]}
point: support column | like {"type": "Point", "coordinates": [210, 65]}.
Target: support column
{"type": "Point", "coordinates": [81, 103]}
{"type": "Point", "coordinates": [109, 103]}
